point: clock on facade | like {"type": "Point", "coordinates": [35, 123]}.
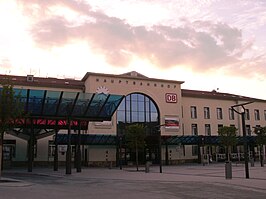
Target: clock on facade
{"type": "Point", "coordinates": [102, 89]}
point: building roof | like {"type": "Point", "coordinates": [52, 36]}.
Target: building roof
{"type": "Point", "coordinates": [217, 95]}
{"type": "Point", "coordinates": [32, 81]}
{"type": "Point", "coordinates": [130, 75]}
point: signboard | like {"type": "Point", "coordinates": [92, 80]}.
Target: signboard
{"type": "Point", "coordinates": [171, 98]}
{"type": "Point", "coordinates": [171, 123]}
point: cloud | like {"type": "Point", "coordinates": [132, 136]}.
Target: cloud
{"type": "Point", "coordinates": [200, 45]}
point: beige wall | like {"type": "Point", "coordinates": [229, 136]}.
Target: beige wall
{"type": "Point", "coordinates": [155, 89]}
{"type": "Point", "coordinates": [213, 104]}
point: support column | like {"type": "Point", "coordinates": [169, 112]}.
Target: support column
{"type": "Point", "coordinates": [31, 148]}
{"type": "Point", "coordinates": [56, 150]}
{"type": "Point", "coordinates": [78, 150]}
{"type": "Point", "coordinates": [68, 153]}
{"type": "Point", "coordinates": [166, 154]}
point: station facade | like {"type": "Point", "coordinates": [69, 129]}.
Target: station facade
{"type": "Point", "coordinates": [162, 106]}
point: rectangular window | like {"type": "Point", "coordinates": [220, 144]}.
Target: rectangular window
{"type": "Point", "coordinates": [220, 126]}
{"type": "Point", "coordinates": [257, 114]}
{"type": "Point", "coordinates": [193, 110]}
{"type": "Point", "coordinates": [264, 114]}
{"type": "Point", "coordinates": [247, 115]}
{"type": "Point", "coordinates": [248, 130]}
{"type": "Point", "coordinates": [207, 113]}
{"type": "Point", "coordinates": [207, 129]}
{"type": "Point", "coordinates": [231, 114]}
{"type": "Point", "coordinates": [219, 113]}
{"type": "Point", "coordinates": [194, 150]}
{"type": "Point", "coordinates": [194, 129]}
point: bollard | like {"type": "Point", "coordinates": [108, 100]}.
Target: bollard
{"type": "Point", "coordinates": [228, 170]}
{"type": "Point", "coordinates": [147, 167]}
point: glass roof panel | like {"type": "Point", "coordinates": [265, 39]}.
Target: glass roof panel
{"type": "Point", "coordinates": [96, 104]}
{"type": "Point", "coordinates": [35, 102]}
{"type": "Point", "coordinates": [51, 102]}
{"type": "Point", "coordinates": [111, 105]}
{"type": "Point", "coordinates": [66, 104]}
{"type": "Point", "coordinates": [82, 104]}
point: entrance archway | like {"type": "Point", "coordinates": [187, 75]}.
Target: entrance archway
{"type": "Point", "coordinates": [138, 108]}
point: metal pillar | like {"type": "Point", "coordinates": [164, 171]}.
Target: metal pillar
{"type": "Point", "coordinates": [245, 144]}
{"type": "Point", "coordinates": [78, 150]}
{"type": "Point", "coordinates": [56, 151]}
{"type": "Point", "coordinates": [31, 148]}
{"type": "Point", "coordinates": [160, 151]}
{"type": "Point", "coordinates": [68, 153]}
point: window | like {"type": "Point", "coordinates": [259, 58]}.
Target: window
{"type": "Point", "coordinates": [248, 130]}
{"type": "Point", "coordinates": [257, 114]}
{"type": "Point", "coordinates": [265, 114]}
{"type": "Point", "coordinates": [194, 129]}
{"type": "Point", "coordinates": [231, 114]}
{"type": "Point", "coordinates": [219, 113]}
{"type": "Point", "coordinates": [194, 150]}
{"type": "Point", "coordinates": [220, 126]}
{"type": "Point", "coordinates": [247, 115]}
{"type": "Point", "coordinates": [207, 129]}
{"type": "Point", "coordinates": [207, 113]}
{"type": "Point", "coordinates": [193, 110]}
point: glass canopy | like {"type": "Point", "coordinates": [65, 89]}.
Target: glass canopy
{"type": "Point", "coordinates": [47, 108]}
{"type": "Point", "coordinates": [62, 104]}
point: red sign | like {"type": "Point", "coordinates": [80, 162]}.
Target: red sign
{"type": "Point", "coordinates": [171, 98]}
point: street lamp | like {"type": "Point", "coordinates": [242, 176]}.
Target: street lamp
{"type": "Point", "coordinates": [160, 145]}
{"type": "Point", "coordinates": [242, 113]}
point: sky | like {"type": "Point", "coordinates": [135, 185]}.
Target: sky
{"type": "Point", "coordinates": [210, 44]}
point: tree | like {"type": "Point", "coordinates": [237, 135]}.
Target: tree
{"type": "Point", "coordinates": [228, 138]}
{"type": "Point", "coordinates": [135, 139]}
{"type": "Point", "coordinates": [10, 109]}
{"type": "Point", "coordinates": [261, 140]}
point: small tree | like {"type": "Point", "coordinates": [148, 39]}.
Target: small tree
{"type": "Point", "coordinates": [228, 138]}
{"type": "Point", "coordinates": [135, 139]}
{"type": "Point", "coordinates": [10, 109]}
{"type": "Point", "coordinates": [261, 140]}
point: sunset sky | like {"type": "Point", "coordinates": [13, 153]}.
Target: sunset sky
{"type": "Point", "coordinates": [209, 44]}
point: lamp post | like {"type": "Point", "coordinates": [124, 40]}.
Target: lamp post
{"type": "Point", "coordinates": [160, 145]}
{"type": "Point", "coordinates": [242, 113]}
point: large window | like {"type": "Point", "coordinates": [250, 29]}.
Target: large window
{"type": "Point", "coordinates": [207, 113]}
{"type": "Point", "coordinates": [207, 129]}
{"type": "Point", "coordinates": [247, 115]}
{"type": "Point", "coordinates": [137, 108]}
{"type": "Point", "coordinates": [194, 129]}
{"type": "Point", "coordinates": [193, 110]}
{"type": "Point", "coordinates": [257, 114]}
{"type": "Point", "coordinates": [219, 113]}
{"type": "Point", "coordinates": [231, 114]}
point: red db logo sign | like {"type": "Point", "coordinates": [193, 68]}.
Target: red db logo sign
{"type": "Point", "coordinates": [171, 98]}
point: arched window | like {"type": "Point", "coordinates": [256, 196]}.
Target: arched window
{"type": "Point", "coordinates": [137, 108]}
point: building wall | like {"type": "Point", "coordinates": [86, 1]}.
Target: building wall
{"type": "Point", "coordinates": [155, 89]}
{"type": "Point", "coordinates": [225, 105]}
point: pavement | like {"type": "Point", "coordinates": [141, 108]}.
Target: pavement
{"type": "Point", "coordinates": [181, 181]}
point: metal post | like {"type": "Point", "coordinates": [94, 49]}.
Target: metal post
{"type": "Point", "coordinates": [68, 153]}
{"type": "Point", "coordinates": [56, 150]}
{"type": "Point", "coordinates": [120, 152]}
{"type": "Point", "coordinates": [160, 150]}
{"type": "Point", "coordinates": [78, 150]}
{"type": "Point", "coordinates": [31, 148]}
{"type": "Point", "coordinates": [245, 144]}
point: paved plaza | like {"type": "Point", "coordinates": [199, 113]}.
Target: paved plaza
{"type": "Point", "coordinates": [184, 181]}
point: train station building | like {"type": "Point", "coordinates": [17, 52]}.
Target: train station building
{"type": "Point", "coordinates": [92, 115]}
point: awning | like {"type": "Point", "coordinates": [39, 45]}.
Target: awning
{"type": "Point", "coordinates": [47, 108]}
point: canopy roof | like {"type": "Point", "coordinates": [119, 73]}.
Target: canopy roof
{"type": "Point", "coordinates": [48, 108]}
